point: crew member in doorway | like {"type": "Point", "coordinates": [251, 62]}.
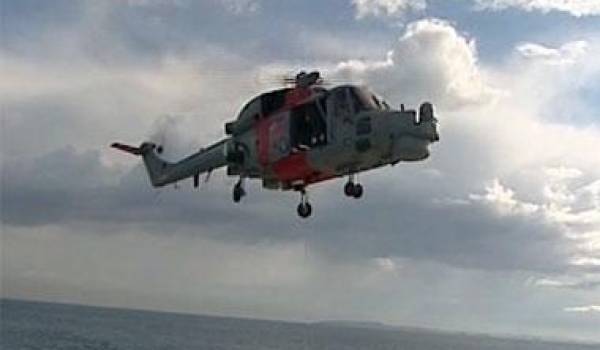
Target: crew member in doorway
{"type": "Point", "coordinates": [309, 128]}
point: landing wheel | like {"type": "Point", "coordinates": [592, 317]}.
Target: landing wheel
{"type": "Point", "coordinates": [357, 191]}
{"type": "Point", "coordinates": [353, 190]}
{"type": "Point", "coordinates": [304, 209]}
{"type": "Point", "coordinates": [238, 192]}
{"type": "Point", "coordinates": [349, 189]}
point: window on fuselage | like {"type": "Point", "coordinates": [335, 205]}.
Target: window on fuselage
{"type": "Point", "coordinates": [273, 101]}
{"type": "Point", "coordinates": [308, 127]}
{"type": "Point", "coordinates": [341, 105]}
{"type": "Point", "coordinates": [376, 101]}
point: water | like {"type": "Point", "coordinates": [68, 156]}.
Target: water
{"type": "Point", "coordinates": [33, 325]}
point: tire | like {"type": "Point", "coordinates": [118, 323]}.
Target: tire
{"type": "Point", "coordinates": [358, 191]}
{"type": "Point", "coordinates": [304, 210]}
{"type": "Point", "coordinates": [238, 193]}
{"type": "Point", "coordinates": [349, 189]}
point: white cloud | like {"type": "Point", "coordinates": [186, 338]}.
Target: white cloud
{"type": "Point", "coordinates": [546, 282]}
{"type": "Point", "coordinates": [586, 261]}
{"type": "Point", "coordinates": [155, 2]}
{"type": "Point", "coordinates": [381, 8]}
{"type": "Point", "coordinates": [568, 53]}
{"type": "Point", "coordinates": [586, 308]}
{"type": "Point", "coordinates": [577, 8]}
{"type": "Point", "coordinates": [503, 199]}
{"type": "Point", "coordinates": [386, 264]}
{"type": "Point", "coordinates": [586, 282]}
{"type": "Point", "coordinates": [241, 7]}
{"type": "Point", "coordinates": [431, 60]}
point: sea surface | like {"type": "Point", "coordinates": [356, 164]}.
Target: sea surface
{"type": "Point", "coordinates": [35, 325]}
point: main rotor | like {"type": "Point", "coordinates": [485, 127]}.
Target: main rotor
{"type": "Point", "coordinates": [304, 80]}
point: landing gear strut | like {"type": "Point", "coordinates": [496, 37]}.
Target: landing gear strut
{"type": "Point", "coordinates": [304, 208]}
{"type": "Point", "coordinates": [238, 190]}
{"type": "Point", "coordinates": [352, 189]}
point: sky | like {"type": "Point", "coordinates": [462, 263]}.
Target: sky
{"type": "Point", "coordinates": [497, 232]}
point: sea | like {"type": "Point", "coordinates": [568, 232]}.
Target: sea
{"type": "Point", "coordinates": [38, 325]}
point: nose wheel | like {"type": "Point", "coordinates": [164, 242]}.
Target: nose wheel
{"type": "Point", "coordinates": [352, 189]}
{"type": "Point", "coordinates": [304, 209]}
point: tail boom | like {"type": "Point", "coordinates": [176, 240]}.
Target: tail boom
{"type": "Point", "coordinates": [162, 173]}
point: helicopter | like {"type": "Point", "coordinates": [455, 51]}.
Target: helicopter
{"type": "Point", "coordinates": [303, 134]}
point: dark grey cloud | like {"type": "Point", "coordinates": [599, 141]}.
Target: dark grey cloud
{"type": "Point", "coordinates": [70, 188]}
{"type": "Point", "coordinates": [402, 214]}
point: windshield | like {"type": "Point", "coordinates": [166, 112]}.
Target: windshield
{"type": "Point", "coordinates": [364, 100]}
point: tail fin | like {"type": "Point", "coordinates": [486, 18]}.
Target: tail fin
{"type": "Point", "coordinates": [157, 168]}
{"type": "Point", "coordinates": [162, 172]}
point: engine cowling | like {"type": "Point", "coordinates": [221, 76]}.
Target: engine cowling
{"type": "Point", "coordinates": [234, 152]}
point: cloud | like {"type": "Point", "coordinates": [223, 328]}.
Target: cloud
{"type": "Point", "coordinates": [577, 8]}
{"type": "Point", "coordinates": [511, 191]}
{"type": "Point", "coordinates": [241, 7]}
{"type": "Point", "coordinates": [568, 53]}
{"type": "Point", "coordinates": [509, 222]}
{"type": "Point", "coordinates": [382, 8]}
{"type": "Point", "coordinates": [431, 60]}
{"type": "Point", "coordinates": [500, 111]}
{"type": "Point", "coordinates": [582, 284]}
{"type": "Point", "coordinates": [504, 201]}
{"type": "Point", "coordinates": [584, 309]}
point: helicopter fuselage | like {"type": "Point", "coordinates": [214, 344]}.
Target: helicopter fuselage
{"type": "Point", "coordinates": [294, 137]}
{"type": "Point", "coordinates": [351, 137]}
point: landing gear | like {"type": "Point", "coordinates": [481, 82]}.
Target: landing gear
{"type": "Point", "coordinates": [349, 189]}
{"type": "Point", "coordinates": [353, 190]}
{"type": "Point", "coordinates": [304, 208]}
{"type": "Point", "coordinates": [238, 191]}
{"type": "Point", "coordinates": [358, 191]}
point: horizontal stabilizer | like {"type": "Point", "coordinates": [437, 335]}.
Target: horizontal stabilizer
{"type": "Point", "coordinates": [127, 148]}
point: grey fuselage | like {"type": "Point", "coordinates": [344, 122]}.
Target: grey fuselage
{"type": "Point", "coordinates": [361, 133]}
{"type": "Point", "coordinates": [291, 138]}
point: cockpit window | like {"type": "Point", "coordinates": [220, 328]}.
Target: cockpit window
{"type": "Point", "coordinates": [380, 103]}
{"type": "Point", "coordinates": [362, 100]}
{"type": "Point", "coordinates": [376, 101]}
{"type": "Point", "coordinates": [352, 99]}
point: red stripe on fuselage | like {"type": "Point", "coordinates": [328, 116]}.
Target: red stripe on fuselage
{"type": "Point", "coordinates": [296, 167]}
{"type": "Point", "coordinates": [296, 97]}
{"type": "Point", "coordinates": [262, 130]}
{"type": "Point", "coordinates": [293, 98]}
{"type": "Point", "coordinates": [293, 167]}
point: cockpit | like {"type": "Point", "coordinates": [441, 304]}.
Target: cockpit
{"type": "Point", "coordinates": [353, 99]}
{"type": "Point", "coordinates": [363, 99]}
